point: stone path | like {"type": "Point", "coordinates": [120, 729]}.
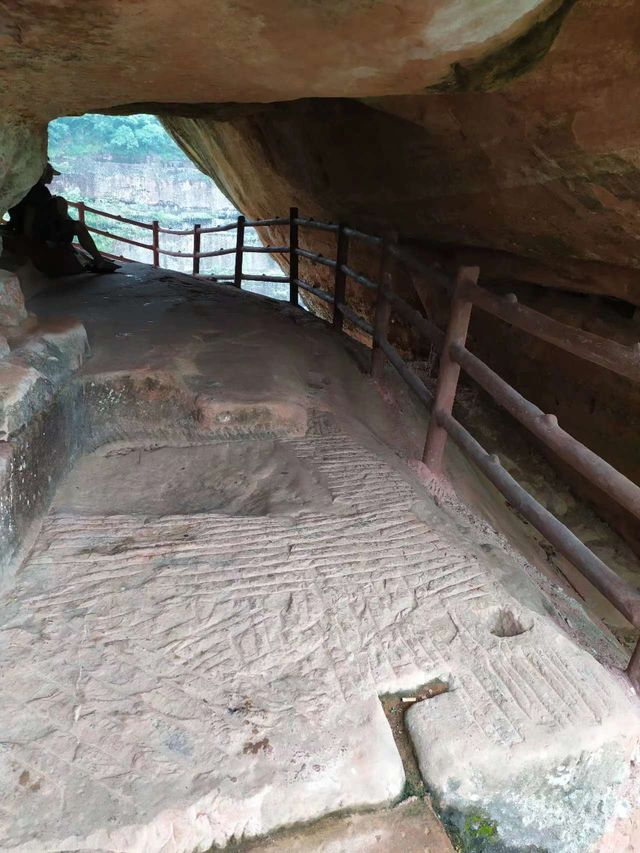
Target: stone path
{"type": "Point", "coordinates": [195, 647]}
{"type": "Point", "coordinates": [192, 678]}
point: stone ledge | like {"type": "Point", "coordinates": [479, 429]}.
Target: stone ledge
{"type": "Point", "coordinates": [23, 393]}
{"type": "Point", "coordinates": [30, 375]}
{"type": "Point", "coordinates": [56, 348]}
{"type": "Point", "coordinates": [278, 416]}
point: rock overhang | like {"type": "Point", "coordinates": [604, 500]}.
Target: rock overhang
{"type": "Point", "coordinates": [153, 53]}
{"type": "Point", "coordinates": [248, 51]}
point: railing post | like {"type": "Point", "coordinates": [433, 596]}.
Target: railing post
{"type": "Point", "coordinates": [196, 248]}
{"type": "Point", "coordinates": [293, 256]}
{"type": "Point", "coordinates": [383, 312]}
{"type": "Point", "coordinates": [340, 287]}
{"type": "Point", "coordinates": [81, 212]}
{"type": "Point", "coordinates": [449, 371]}
{"type": "Point", "coordinates": [633, 668]}
{"type": "Point", "coordinates": [237, 281]}
{"type": "Point", "coordinates": [156, 243]}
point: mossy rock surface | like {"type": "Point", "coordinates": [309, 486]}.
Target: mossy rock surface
{"type": "Point", "coordinates": [507, 63]}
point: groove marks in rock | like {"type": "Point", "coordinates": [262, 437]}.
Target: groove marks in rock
{"type": "Point", "coordinates": [143, 656]}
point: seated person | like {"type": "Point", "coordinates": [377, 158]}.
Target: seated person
{"type": "Point", "coordinates": [44, 217]}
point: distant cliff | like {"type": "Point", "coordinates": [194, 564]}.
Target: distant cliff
{"type": "Point", "coordinates": [173, 192]}
{"type": "Point", "coordinates": [177, 187]}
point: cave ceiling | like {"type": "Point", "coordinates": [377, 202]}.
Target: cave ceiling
{"type": "Point", "coordinates": [506, 126]}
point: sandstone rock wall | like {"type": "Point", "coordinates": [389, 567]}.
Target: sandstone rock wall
{"type": "Point", "coordinates": [23, 147]}
{"type": "Point", "coordinates": [443, 190]}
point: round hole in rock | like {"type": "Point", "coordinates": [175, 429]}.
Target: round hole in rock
{"type": "Point", "coordinates": [509, 624]}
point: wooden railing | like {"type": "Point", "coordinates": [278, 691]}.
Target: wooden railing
{"type": "Point", "coordinates": [239, 250]}
{"type": "Point", "coordinates": [465, 295]}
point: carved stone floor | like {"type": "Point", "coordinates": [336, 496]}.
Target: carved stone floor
{"type": "Point", "coordinates": [194, 649]}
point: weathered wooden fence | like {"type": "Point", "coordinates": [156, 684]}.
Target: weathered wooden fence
{"type": "Point", "coordinates": [465, 295]}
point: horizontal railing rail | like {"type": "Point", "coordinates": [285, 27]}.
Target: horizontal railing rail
{"type": "Point", "coordinates": [196, 233]}
{"type": "Point", "coordinates": [120, 238]}
{"type": "Point", "coordinates": [316, 291]}
{"type": "Point", "coordinates": [614, 588]}
{"type": "Point", "coordinates": [318, 226]}
{"type": "Point", "coordinates": [613, 356]}
{"type": "Point", "coordinates": [465, 295]}
{"type": "Point", "coordinates": [84, 208]}
{"type": "Point", "coordinates": [416, 264]}
{"type": "Point", "coordinates": [545, 427]}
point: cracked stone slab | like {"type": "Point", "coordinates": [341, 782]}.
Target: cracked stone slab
{"type": "Point", "coordinates": [548, 740]}
{"type": "Point", "coordinates": [191, 678]}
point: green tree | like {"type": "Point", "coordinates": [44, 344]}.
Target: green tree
{"type": "Point", "coordinates": [124, 139]}
{"type": "Point", "coordinates": [130, 137]}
